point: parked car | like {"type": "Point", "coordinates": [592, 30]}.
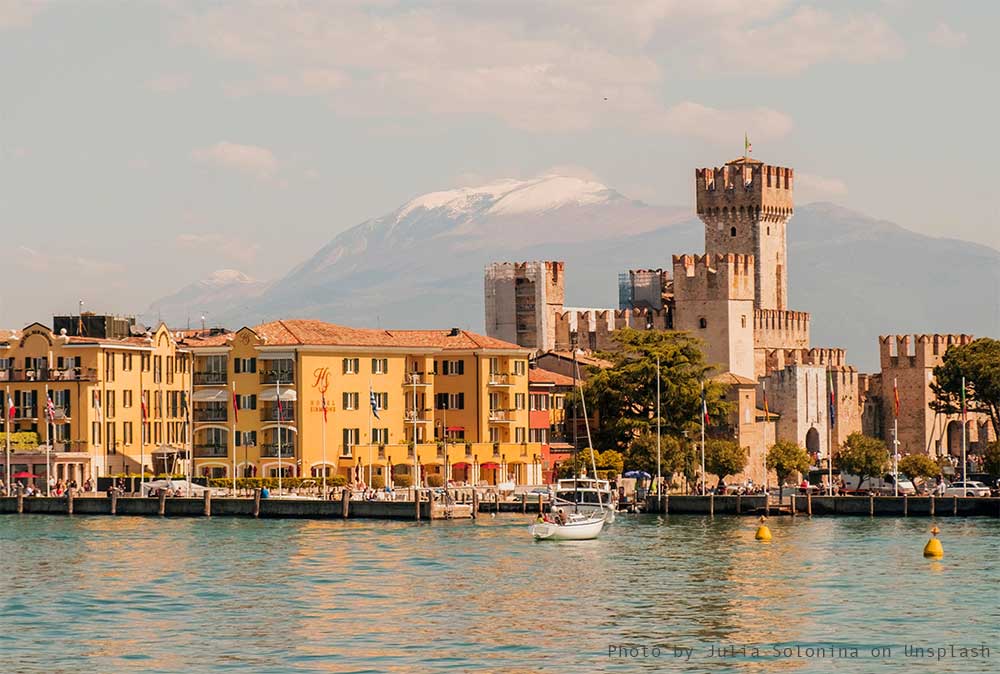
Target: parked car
{"type": "Point", "coordinates": [883, 485]}
{"type": "Point", "coordinates": [969, 488]}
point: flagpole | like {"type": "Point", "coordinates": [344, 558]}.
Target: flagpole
{"type": "Point", "coordinates": [965, 414]}
{"type": "Point", "coordinates": [235, 419]}
{"type": "Point", "coordinates": [48, 445]}
{"type": "Point", "coordinates": [323, 399]}
{"type": "Point", "coordinates": [6, 428]}
{"type": "Point", "coordinates": [763, 436]}
{"type": "Point", "coordinates": [703, 413]}
{"type": "Point", "coordinates": [829, 428]}
{"type": "Point", "coordinates": [189, 431]}
{"type": "Point", "coordinates": [659, 471]}
{"type": "Point", "coordinates": [895, 445]}
{"type": "Point", "coordinates": [370, 456]}
{"type": "Point", "coordinates": [142, 452]}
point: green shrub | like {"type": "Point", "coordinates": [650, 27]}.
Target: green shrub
{"type": "Point", "coordinates": [337, 481]}
{"type": "Point", "coordinates": [435, 480]}
{"type": "Point", "coordinates": [377, 482]}
{"type": "Point", "coordinates": [403, 480]}
{"type": "Point", "coordinates": [23, 440]}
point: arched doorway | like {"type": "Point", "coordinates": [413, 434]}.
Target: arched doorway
{"type": "Point", "coordinates": [812, 443]}
{"type": "Point", "coordinates": [954, 437]}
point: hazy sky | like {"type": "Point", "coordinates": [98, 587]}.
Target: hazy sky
{"type": "Point", "coordinates": [144, 145]}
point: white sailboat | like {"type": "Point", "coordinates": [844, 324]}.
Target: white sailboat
{"type": "Point", "coordinates": [576, 527]}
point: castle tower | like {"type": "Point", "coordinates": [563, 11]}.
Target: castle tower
{"type": "Point", "coordinates": [745, 206]}
{"type": "Point", "coordinates": [522, 300]}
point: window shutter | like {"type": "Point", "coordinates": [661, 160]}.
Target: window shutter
{"type": "Point", "coordinates": [236, 439]}
{"type": "Point", "coordinates": [253, 401]}
{"type": "Point", "coordinates": [461, 367]}
{"type": "Point", "coordinates": [461, 401]}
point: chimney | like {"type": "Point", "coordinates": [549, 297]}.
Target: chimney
{"type": "Point", "coordinates": [455, 332]}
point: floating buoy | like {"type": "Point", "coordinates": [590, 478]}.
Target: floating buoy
{"type": "Point", "coordinates": [933, 548]}
{"type": "Point", "coordinates": [763, 533]}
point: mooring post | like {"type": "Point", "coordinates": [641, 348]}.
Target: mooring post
{"type": "Point", "coordinates": [871, 505]}
{"type": "Point", "coordinates": [475, 503]}
{"type": "Point", "coordinates": [739, 504]}
{"type": "Point", "coordinates": [711, 505]}
{"type": "Point", "coordinates": [932, 505]}
{"type": "Point", "coordinates": [524, 502]}
{"type": "Point", "coordinates": [906, 505]}
{"type": "Point", "coordinates": [540, 504]}
{"type": "Point", "coordinates": [256, 502]}
{"type": "Point", "coordinates": [163, 502]}
{"type": "Point", "coordinates": [792, 496]}
{"type": "Point", "coordinates": [208, 503]}
{"type": "Point", "coordinates": [809, 503]}
{"type": "Point", "coordinates": [954, 505]}
{"type": "Point", "coordinates": [666, 504]}
{"type": "Point", "coordinates": [114, 501]}
{"type": "Point", "coordinates": [345, 503]}
{"type": "Point", "coordinates": [416, 500]}
{"type": "Point", "coordinates": [496, 500]}
{"type": "Point", "coordinates": [20, 499]}
{"type": "Point", "coordinates": [69, 501]}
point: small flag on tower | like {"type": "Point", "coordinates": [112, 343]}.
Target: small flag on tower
{"type": "Point", "coordinates": [747, 147]}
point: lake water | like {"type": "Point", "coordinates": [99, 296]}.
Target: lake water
{"type": "Point", "coordinates": [104, 594]}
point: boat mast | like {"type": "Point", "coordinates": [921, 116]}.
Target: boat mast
{"type": "Point", "coordinates": [576, 443]}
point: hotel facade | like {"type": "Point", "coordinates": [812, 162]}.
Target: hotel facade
{"type": "Point", "coordinates": [295, 397]}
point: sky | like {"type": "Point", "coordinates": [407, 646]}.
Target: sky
{"type": "Point", "coordinates": [145, 145]}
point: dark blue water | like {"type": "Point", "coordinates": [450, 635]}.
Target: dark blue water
{"type": "Point", "coordinates": [103, 594]}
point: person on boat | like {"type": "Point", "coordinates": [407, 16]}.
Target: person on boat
{"type": "Point", "coordinates": [265, 492]}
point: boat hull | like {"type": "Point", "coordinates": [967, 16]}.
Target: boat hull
{"type": "Point", "coordinates": [574, 531]}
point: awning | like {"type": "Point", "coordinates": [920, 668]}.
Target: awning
{"type": "Point", "coordinates": [461, 464]}
{"type": "Point", "coordinates": [277, 355]}
{"type": "Point", "coordinates": [455, 429]}
{"type": "Point", "coordinates": [271, 395]}
{"type": "Point", "coordinates": [166, 449]}
{"type": "Point", "coordinates": [210, 395]}
{"type": "Point", "coordinates": [491, 465]}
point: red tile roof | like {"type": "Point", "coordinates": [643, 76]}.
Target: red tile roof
{"type": "Point", "coordinates": [540, 376]}
{"type": "Point", "coordinates": [294, 332]}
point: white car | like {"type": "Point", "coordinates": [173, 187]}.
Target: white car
{"type": "Point", "coordinates": [970, 488]}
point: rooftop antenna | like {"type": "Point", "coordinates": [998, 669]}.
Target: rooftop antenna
{"type": "Point", "coordinates": [79, 318]}
{"type": "Point", "coordinates": [203, 323]}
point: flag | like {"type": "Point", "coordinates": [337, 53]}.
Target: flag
{"type": "Point", "coordinates": [142, 404]}
{"type": "Point", "coordinates": [50, 409]}
{"type": "Point", "coordinates": [281, 411]}
{"type": "Point", "coordinates": [374, 403]}
{"type": "Point", "coordinates": [11, 410]}
{"type": "Point", "coordinates": [767, 412]}
{"type": "Point", "coordinates": [895, 396]}
{"type": "Point", "coordinates": [833, 398]}
{"type": "Point", "coordinates": [965, 409]}
{"type": "Point", "coordinates": [97, 406]}
{"type": "Point", "coordinates": [747, 147]}
{"type": "Point", "coordinates": [322, 404]}
{"type": "Point", "coordinates": [236, 405]}
{"type": "Point", "coordinates": [704, 406]}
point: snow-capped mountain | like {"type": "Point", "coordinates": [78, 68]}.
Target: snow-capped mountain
{"type": "Point", "coordinates": [421, 265]}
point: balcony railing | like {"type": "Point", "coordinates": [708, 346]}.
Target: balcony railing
{"type": "Point", "coordinates": [416, 379]}
{"type": "Point", "coordinates": [25, 413]}
{"type": "Point", "coordinates": [499, 379]}
{"type": "Point", "coordinates": [277, 377]}
{"type": "Point", "coordinates": [213, 414]}
{"type": "Point", "coordinates": [49, 374]}
{"type": "Point", "coordinates": [418, 416]}
{"type": "Point", "coordinates": [270, 450]}
{"type": "Point", "coordinates": [271, 413]}
{"type": "Point", "coordinates": [210, 451]}
{"type": "Point", "coordinates": [210, 377]}
{"type": "Point", "coordinates": [501, 416]}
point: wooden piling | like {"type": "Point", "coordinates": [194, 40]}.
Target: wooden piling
{"type": "Point", "coordinates": [666, 504]}
{"type": "Point", "coordinates": [256, 502]}
{"type": "Point", "coordinates": [541, 508]}
{"type": "Point", "coordinates": [69, 501]}
{"type": "Point", "coordinates": [871, 505]}
{"type": "Point", "coordinates": [416, 500]}
{"type": "Point", "coordinates": [114, 501]}
{"type": "Point", "coordinates": [475, 503]}
{"type": "Point", "coordinates": [932, 505]}
{"type": "Point", "coordinates": [524, 503]}
{"type": "Point", "coordinates": [809, 503]}
{"type": "Point", "coordinates": [739, 504]}
{"type": "Point", "coordinates": [906, 505]}
{"type": "Point", "coordinates": [163, 502]}
{"type": "Point", "coordinates": [496, 501]}
{"type": "Point", "coordinates": [954, 505]}
{"type": "Point", "coordinates": [793, 504]}
{"type": "Point", "coordinates": [345, 503]}
{"type": "Point", "coordinates": [208, 503]}
{"type": "Point", "coordinates": [20, 499]}
{"type": "Point", "coordinates": [711, 505]}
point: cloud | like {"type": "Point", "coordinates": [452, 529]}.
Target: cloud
{"type": "Point", "coordinates": [715, 125]}
{"type": "Point", "coordinates": [169, 83]}
{"type": "Point", "coordinates": [218, 244]}
{"type": "Point", "coordinates": [809, 187]}
{"type": "Point", "coordinates": [36, 261]}
{"type": "Point", "coordinates": [946, 37]}
{"type": "Point", "coordinates": [250, 159]}
{"type": "Point", "coordinates": [19, 13]}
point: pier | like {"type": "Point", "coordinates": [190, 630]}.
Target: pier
{"type": "Point", "coordinates": [797, 504]}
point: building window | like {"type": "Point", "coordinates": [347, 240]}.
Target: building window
{"type": "Point", "coordinates": [494, 434]}
{"type": "Point", "coordinates": [350, 401]}
{"type": "Point", "coordinates": [351, 437]}
{"type": "Point", "coordinates": [95, 433]}
{"type": "Point", "coordinates": [380, 365]}
{"type": "Point", "coordinates": [248, 402]}
{"type": "Point", "coordinates": [157, 369]}
{"type": "Point", "coordinates": [519, 401]}
{"type": "Point", "coordinates": [244, 365]}
{"type": "Point", "coordinates": [540, 435]}
{"type": "Point", "coordinates": [351, 366]}
{"type": "Point", "coordinates": [702, 323]}
{"type": "Point", "coordinates": [381, 401]}
{"type": "Point", "coordinates": [539, 401]}
{"type": "Point", "coordinates": [109, 408]}
{"type": "Point", "coordinates": [380, 436]}
{"type": "Point", "coordinates": [127, 398]}
{"type": "Point", "coordinates": [518, 434]}
{"type": "Point", "coordinates": [449, 401]}
{"type": "Point", "coordinates": [127, 433]}
{"type": "Point", "coordinates": [452, 367]}
{"type": "Point", "coordinates": [109, 367]}
{"type": "Point", "coordinates": [126, 362]}
{"type": "Point", "coordinates": [743, 321]}
{"type": "Point", "coordinates": [732, 232]}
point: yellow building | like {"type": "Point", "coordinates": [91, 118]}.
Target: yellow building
{"type": "Point", "coordinates": [428, 386]}
{"type": "Point", "coordinates": [97, 386]}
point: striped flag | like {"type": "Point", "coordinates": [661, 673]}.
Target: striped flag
{"type": "Point", "coordinates": [97, 406]}
{"type": "Point", "coordinates": [895, 396]}
{"type": "Point", "coordinates": [142, 405]}
{"type": "Point", "coordinates": [374, 402]}
{"type": "Point", "coordinates": [11, 410]}
{"type": "Point", "coordinates": [50, 409]}
{"type": "Point", "coordinates": [704, 405]}
{"type": "Point", "coordinates": [322, 404]}
{"type": "Point", "coordinates": [965, 408]}
{"type": "Point", "coordinates": [833, 398]}
{"type": "Point", "coordinates": [236, 405]}
{"type": "Point", "coordinates": [747, 147]}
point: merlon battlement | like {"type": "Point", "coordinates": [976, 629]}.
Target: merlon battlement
{"type": "Point", "coordinates": [732, 264]}
{"type": "Point", "coordinates": [923, 350]}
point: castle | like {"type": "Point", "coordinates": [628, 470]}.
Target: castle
{"type": "Point", "coordinates": [733, 297]}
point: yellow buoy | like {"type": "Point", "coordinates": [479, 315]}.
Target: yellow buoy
{"type": "Point", "coordinates": [763, 533]}
{"type": "Point", "coordinates": [933, 548]}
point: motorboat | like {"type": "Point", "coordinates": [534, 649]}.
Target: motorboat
{"type": "Point", "coordinates": [586, 496]}
{"type": "Point", "coordinates": [576, 527]}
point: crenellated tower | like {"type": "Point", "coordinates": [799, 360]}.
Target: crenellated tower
{"type": "Point", "coordinates": [745, 206]}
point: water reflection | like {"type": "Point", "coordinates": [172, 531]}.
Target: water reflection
{"type": "Point", "coordinates": [111, 594]}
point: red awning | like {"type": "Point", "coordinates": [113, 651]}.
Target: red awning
{"type": "Point", "coordinates": [461, 464]}
{"type": "Point", "coordinates": [490, 465]}
{"type": "Point", "coordinates": [455, 429]}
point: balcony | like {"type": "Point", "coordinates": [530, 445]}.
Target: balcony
{"type": "Point", "coordinates": [416, 379]}
{"type": "Point", "coordinates": [270, 413]}
{"type": "Point", "coordinates": [50, 374]}
{"type": "Point", "coordinates": [418, 416]}
{"type": "Point", "coordinates": [210, 378]}
{"type": "Point", "coordinates": [501, 417]}
{"type": "Point", "coordinates": [270, 450]}
{"type": "Point", "coordinates": [499, 379]}
{"type": "Point", "coordinates": [277, 377]}
{"type": "Point", "coordinates": [210, 451]}
{"type": "Point", "coordinates": [211, 414]}
{"type": "Point", "coordinates": [69, 446]}
{"type": "Point", "coordinates": [25, 413]}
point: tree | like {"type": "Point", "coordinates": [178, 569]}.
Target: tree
{"type": "Point", "coordinates": [786, 458]}
{"type": "Point", "coordinates": [724, 457]}
{"type": "Point", "coordinates": [919, 465]}
{"type": "Point", "coordinates": [862, 456]}
{"type": "Point", "coordinates": [624, 395]}
{"type": "Point", "coordinates": [608, 460]}
{"type": "Point", "coordinates": [677, 455]}
{"type": "Point", "coordinates": [979, 362]}
{"type": "Point", "coordinates": [991, 459]}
